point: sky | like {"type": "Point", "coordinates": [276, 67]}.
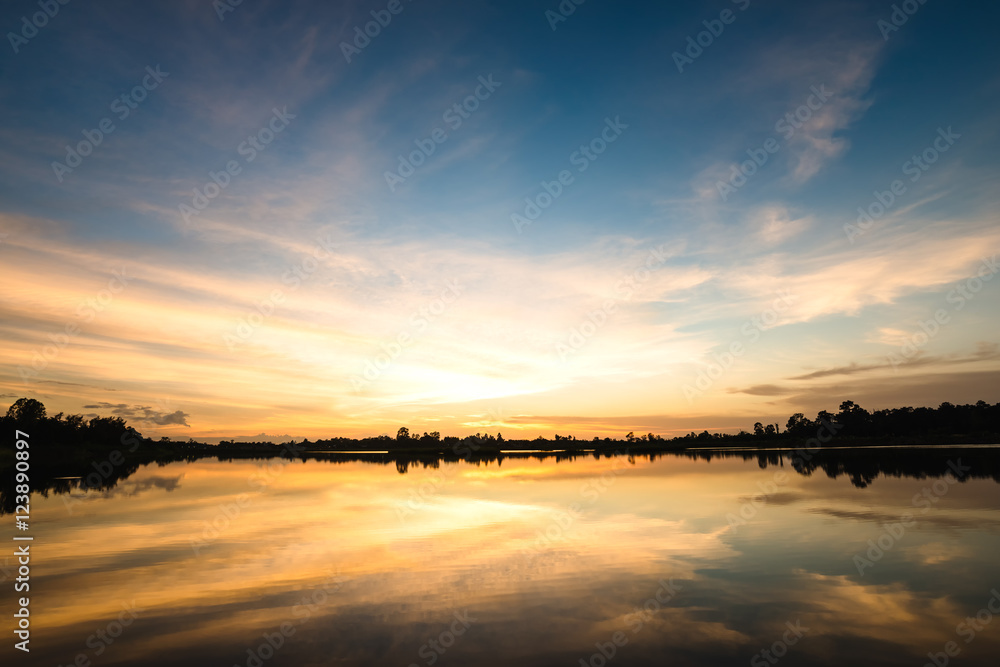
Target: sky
{"type": "Point", "coordinates": [313, 219]}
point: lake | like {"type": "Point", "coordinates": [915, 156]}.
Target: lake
{"type": "Point", "coordinates": [583, 560]}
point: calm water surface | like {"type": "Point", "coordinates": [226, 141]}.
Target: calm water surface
{"type": "Point", "coordinates": [613, 561]}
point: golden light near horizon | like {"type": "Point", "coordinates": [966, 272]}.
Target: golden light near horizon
{"type": "Point", "coordinates": [310, 368]}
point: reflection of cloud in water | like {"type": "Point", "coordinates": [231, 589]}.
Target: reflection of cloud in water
{"type": "Point", "coordinates": [132, 488]}
{"type": "Point", "coordinates": [933, 518]}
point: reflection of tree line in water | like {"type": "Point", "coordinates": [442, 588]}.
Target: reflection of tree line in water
{"type": "Point", "coordinates": [863, 466]}
{"type": "Point", "coordinates": [100, 453]}
{"type": "Point", "coordinates": [860, 466]}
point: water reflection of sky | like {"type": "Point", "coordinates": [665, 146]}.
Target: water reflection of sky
{"type": "Point", "coordinates": [367, 565]}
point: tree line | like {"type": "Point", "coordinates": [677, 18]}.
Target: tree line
{"type": "Point", "coordinates": [979, 422]}
{"type": "Point", "coordinates": [30, 415]}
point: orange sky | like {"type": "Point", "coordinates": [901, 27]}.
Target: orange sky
{"type": "Point", "coordinates": [127, 330]}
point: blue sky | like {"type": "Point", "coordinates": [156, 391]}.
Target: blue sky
{"type": "Point", "coordinates": [545, 331]}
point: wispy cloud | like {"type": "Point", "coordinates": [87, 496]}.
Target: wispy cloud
{"type": "Point", "coordinates": [986, 351]}
{"type": "Point", "coordinates": [141, 413]}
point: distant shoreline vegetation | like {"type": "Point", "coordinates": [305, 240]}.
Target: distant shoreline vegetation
{"type": "Point", "coordinates": [948, 424]}
{"type": "Point", "coordinates": [70, 454]}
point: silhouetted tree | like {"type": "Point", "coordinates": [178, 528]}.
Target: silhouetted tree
{"type": "Point", "coordinates": [26, 411]}
{"type": "Point", "coordinates": [798, 425]}
{"type": "Point", "coordinates": [854, 418]}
